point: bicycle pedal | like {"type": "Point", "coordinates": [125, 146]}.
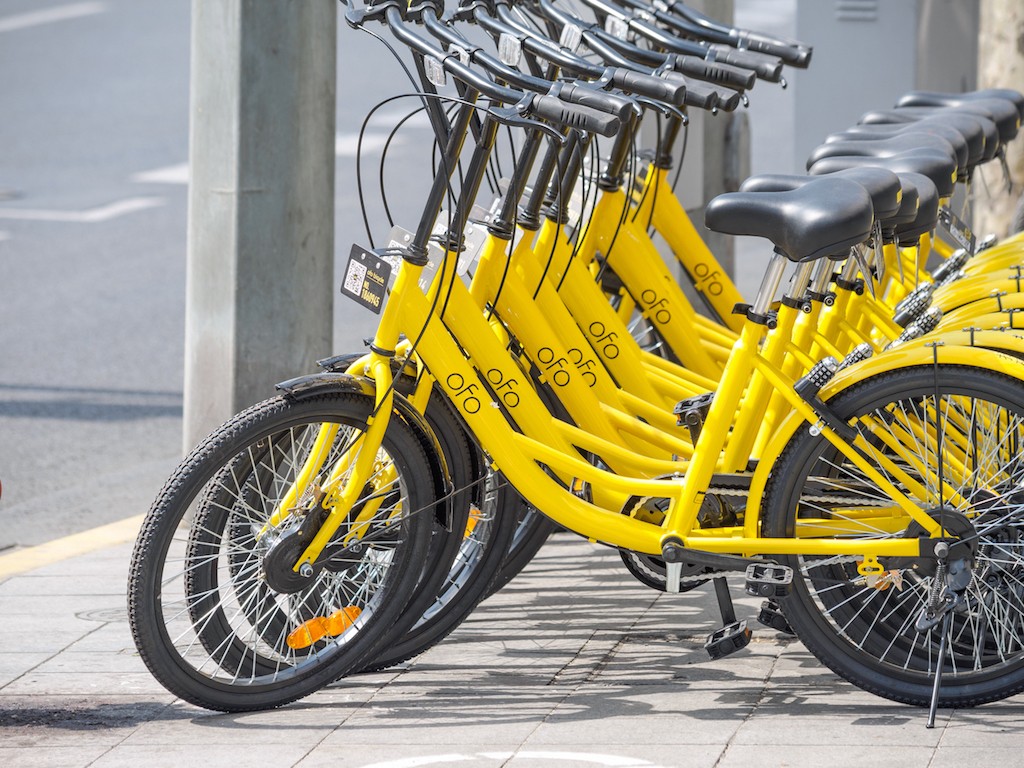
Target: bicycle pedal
{"type": "Point", "coordinates": [768, 580]}
{"type": "Point", "coordinates": [771, 616]}
{"type": "Point", "coordinates": [692, 412]}
{"type": "Point", "coordinates": [727, 640]}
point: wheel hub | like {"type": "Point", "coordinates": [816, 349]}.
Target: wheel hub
{"type": "Point", "coordinates": [955, 525]}
{"type": "Point", "coordinates": [279, 562]}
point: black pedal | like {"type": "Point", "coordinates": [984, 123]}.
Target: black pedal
{"type": "Point", "coordinates": [692, 412]}
{"type": "Point", "coordinates": [729, 639]}
{"type": "Point", "coordinates": [768, 580]}
{"type": "Point", "coordinates": [771, 617]}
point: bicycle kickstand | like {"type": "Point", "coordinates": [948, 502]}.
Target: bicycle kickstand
{"type": "Point", "coordinates": [951, 579]}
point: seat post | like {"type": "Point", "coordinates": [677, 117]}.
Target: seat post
{"type": "Point", "coordinates": [770, 284]}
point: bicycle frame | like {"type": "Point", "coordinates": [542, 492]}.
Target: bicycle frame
{"type": "Point", "coordinates": [542, 456]}
{"type": "Point", "coordinates": [520, 454]}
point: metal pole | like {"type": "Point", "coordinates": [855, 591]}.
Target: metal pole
{"type": "Point", "coordinates": [261, 201]}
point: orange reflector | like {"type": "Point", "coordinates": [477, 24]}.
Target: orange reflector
{"type": "Point", "coordinates": [310, 631]}
{"type": "Point", "coordinates": [474, 517]}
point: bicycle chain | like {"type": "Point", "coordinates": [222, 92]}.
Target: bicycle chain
{"type": "Point", "coordinates": [823, 498]}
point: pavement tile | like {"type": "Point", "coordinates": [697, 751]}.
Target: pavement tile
{"type": "Point", "coordinates": [46, 722]}
{"type": "Point", "coordinates": [84, 684]}
{"type": "Point", "coordinates": [993, 725]}
{"type": "Point", "coordinates": [500, 755]}
{"type": "Point", "coordinates": [14, 664]}
{"type": "Point", "coordinates": [388, 725]}
{"type": "Point", "coordinates": [52, 608]}
{"type": "Point", "coordinates": [957, 757]}
{"type": "Point", "coordinates": [297, 726]}
{"type": "Point", "coordinates": [80, 755]}
{"type": "Point", "coordinates": [858, 727]}
{"type": "Point", "coordinates": [83, 583]}
{"type": "Point", "coordinates": [43, 636]}
{"type": "Point", "coordinates": [209, 755]}
{"type": "Point", "coordinates": [594, 726]}
{"type": "Point", "coordinates": [114, 637]}
{"type": "Point", "coordinates": [92, 662]}
{"type": "Point", "coordinates": [816, 756]}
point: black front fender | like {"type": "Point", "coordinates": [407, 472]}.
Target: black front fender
{"type": "Point", "coordinates": [327, 382]}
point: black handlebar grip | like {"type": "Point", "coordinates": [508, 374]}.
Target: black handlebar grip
{"type": "Point", "coordinates": [767, 67]}
{"type": "Point", "coordinates": [657, 88]}
{"type": "Point", "coordinates": [791, 52]}
{"type": "Point", "coordinates": [729, 101]}
{"type": "Point", "coordinates": [602, 101]}
{"type": "Point", "coordinates": [574, 115]}
{"type": "Point", "coordinates": [701, 95]}
{"type": "Point", "coordinates": [716, 72]}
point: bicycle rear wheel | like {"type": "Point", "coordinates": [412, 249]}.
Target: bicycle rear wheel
{"type": "Point", "coordinates": [971, 421]}
{"type": "Point", "coordinates": [216, 611]}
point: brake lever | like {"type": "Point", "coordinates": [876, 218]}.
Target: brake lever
{"type": "Point", "coordinates": [513, 117]}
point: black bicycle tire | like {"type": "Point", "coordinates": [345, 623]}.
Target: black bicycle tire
{"type": "Point", "coordinates": [907, 685]}
{"type": "Point", "coordinates": [145, 589]}
{"type": "Point", "coordinates": [461, 599]}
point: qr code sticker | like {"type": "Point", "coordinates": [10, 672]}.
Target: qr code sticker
{"type": "Point", "coordinates": [354, 277]}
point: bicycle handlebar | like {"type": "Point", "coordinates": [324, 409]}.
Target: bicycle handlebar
{"type": "Point", "coordinates": [716, 72]}
{"type": "Point", "coordinates": [659, 88]}
{"type": "Point", "coordinates": [603, 43]}
{"type": "Point", "coordinates": [547, 107]}
{"type": "Point", "coordinates": [639, 83]}
{"type": "Point", "coordinates": [791, 52]}
{"type": "Point", "coordinates": [766, 67]}
{"type": "Point", "coordinates": [574, 115]}
{"type": "Point", "coordinates": [620, 106]}
{"type": "Point", "coordinates": [602, 101]}
{"type": "Point", "coordinates": [704, 96]}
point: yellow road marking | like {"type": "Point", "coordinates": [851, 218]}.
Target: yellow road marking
{"type": "Point", "coordinates": [30, 558]}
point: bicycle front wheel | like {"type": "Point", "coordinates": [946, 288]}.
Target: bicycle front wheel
{"type": "Point", "coordinates": [216, 610]}
{"type": "Point", "coordinates": [969, 422]}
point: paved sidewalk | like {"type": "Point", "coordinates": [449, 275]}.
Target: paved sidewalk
{"type": "Point", "coordinates": [573, 664]}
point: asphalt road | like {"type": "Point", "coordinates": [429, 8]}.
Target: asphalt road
{"type": "Point", "coordinates": [93, 188]}
{"type": "Point", "coordinates": [93, 200]}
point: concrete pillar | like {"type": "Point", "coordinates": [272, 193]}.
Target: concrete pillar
{"type": "Point", "coordinates": [1000, 65]}
{"type": "Point", "coordinates": [261, 201]}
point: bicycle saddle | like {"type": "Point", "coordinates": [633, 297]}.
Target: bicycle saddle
{"type": "Point", "coordinates": [970, 121]}
{"type": "Point", "coordinates": [936, 165]}
{"type": "Point", "coordinates": [937, 99]}
{"type": "Point", "coordinates": [1003, 113]}
{"type": "Point", "coordinates": [893, 145]}
{"type": "Point", "coordinates": [823, 218]}
{"type": "Point", "coordinates": [968, 154]}
{"type": "Point", "coordinates": [926, 214]}
{"type": "Point", "coordinates": [883, 186]}
{"type": "Point", "coordinates": [922, 128]}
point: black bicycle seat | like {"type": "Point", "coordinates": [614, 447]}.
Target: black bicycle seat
{"type": "Point", "coordinates": [823, 218]}
{"type": "Point", "coordinates": [1003, 113]}
{"type": "Point", "coordinates": [893, 145]}
{"type": "Point", "coordinates": [926, 216]}
{"type": "Point", "coordinates": [937, 99]}
{"type": "Point", "coordinates": [936, 165]}
{"type": "Point", "coordinates": [970, 121]}
{"type": "Point", "coordinates": [967, 137]}
{"type": "Point", "coordinates": [968, 153]}
{"type": "Point", "coordinates": [882, 185]}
